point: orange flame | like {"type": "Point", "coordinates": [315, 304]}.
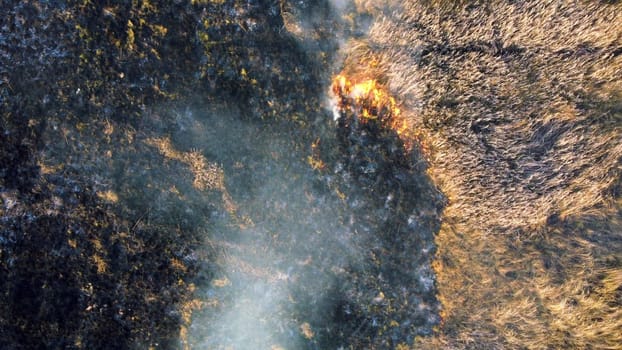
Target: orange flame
{"type": "Point", "coordinates": [370, 101]}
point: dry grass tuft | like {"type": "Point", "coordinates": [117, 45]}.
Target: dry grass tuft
{"type": "Point", "coordinates": [207, 176]}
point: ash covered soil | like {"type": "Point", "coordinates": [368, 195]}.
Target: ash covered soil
{"type": "Point", "coordinates": [178, 175]}
{"type": "Point", "coordinates": [172, 178]}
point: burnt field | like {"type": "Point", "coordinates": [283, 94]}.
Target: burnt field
{"type": "Point", "coordinates": [310, 175]}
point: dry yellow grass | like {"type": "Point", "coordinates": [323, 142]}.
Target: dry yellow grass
{"type": "Point", "coordinates": [521, 105]}
{"type": "Point", "coordinates": [207, 176]}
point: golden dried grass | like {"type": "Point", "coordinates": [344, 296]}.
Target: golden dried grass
{"type": "Point", "coordinates": [520, 103]}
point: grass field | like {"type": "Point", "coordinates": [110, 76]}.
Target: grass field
{"type": "Point", "coordinates": [519, 106]}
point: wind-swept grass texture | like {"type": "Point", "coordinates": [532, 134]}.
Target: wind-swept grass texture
{"type": "Point", "coordinates": [521, 107]}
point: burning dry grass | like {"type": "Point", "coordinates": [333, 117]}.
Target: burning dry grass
{"type": "Point", "coordinates": [371, 101]}
{"type": "Point", "coordinates": [521, 104]}
{"type": "Point", "coordinates": [519, 111]}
